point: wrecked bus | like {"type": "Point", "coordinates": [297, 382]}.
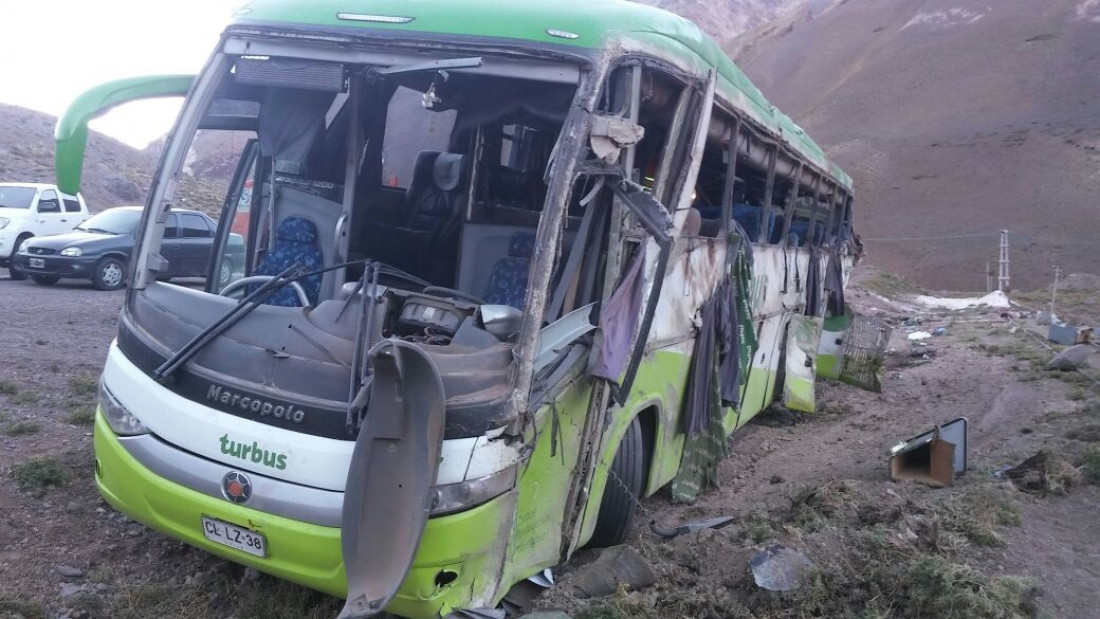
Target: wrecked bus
{"type": "Point", "coordinates": [509, 267]}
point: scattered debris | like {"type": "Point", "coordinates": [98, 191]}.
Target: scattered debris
{"type": "Point", "coordinates": [933, 458]}
{"type": "Point", "coordinates": [544, 579]}
{"type": "Point", "coordinates": [1044, 473]}
{"type": "Point", "coordinates": [939, 331]}
{"type": "Point", "coordinates": [68, 571]}
{"type": "Point", "coordinates": [1068, 335]}
{"type": "Point", "coordinates": [691, 527]}
{"type": "Point", "coordinates": [616, 566]}
{"type": "Point", "coordinates": [546, 614]}
{"type": "Point", "coordinates": [478, 613]}
{"type": "Point", "coordinates": [917, 336]}
{"type": "Point", "coordinates": [1045, 317]}
{"type": "Point", "coordinates": [995, 299]}
{"type": "Point", "coordinates": [780, 568]}
{"type": "Point", "coordinates": [1071, 358]}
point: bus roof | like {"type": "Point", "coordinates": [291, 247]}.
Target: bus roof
{"type": "Point", "coordinates": [590, 24]}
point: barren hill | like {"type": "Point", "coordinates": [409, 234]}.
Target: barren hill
{"type": "Point", "coordinates": [726, 19]}
{"type": "Point", "coordinates": [955, 117]}
{"type": "Point", "coordinates": [114, 173]}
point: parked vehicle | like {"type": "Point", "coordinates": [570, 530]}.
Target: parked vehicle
{"type": "Point", "coordinates": [100, 249]}
{"type": "Point", "coordinates": [593, 250]}
{"type": "Point", "coordinates": [34, 209]}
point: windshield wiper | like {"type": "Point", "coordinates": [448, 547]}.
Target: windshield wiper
{"type": "Point", "coordinates": [99, 230]}
{"type": "Point", "coordinates": [228, 319]}
{"type": "Point", "coordinates": [250, 302]}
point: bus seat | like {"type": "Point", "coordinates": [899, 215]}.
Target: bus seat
{"type": "Point", "coordinates": [749, 217]}
{"type": "Point", "coordinates": [508, 279]}
{"type": "Point", "coordinates": [798, 232]}
{"type": "Point", "coordinates": [295, 243]}
{"type": "Point", "coordinates": [434, 202]}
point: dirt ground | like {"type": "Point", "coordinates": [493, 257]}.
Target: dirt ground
{"type": "Point", "coordinates": [817, 483]}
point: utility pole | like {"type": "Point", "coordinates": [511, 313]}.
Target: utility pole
{"type": "Point", "coordinates": [988, 278]}
{"type": "Point", "coordinates": [1002, 263]}
{"type": "Point", "coordinates": [1054, 292]}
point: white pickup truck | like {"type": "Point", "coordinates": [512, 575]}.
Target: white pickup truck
{"type": "Point", "coordinates": [34, 209]}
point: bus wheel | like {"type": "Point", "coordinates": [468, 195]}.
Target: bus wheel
{"type": "Point", "coordinates": [625, 480]}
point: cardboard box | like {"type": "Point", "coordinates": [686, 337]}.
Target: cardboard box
{"type": "Point", "coordinates": [929, 461]}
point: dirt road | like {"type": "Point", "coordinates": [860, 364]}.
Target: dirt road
{"type": "Point", "coordinates": [818, 483]}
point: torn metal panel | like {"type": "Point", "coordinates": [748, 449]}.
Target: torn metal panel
{"type": "Point", "coordinates": [393, 469]}
{"type": "Point", "coordinates": [609, 135]}
{"type": "Point", "coordinates": [803, 336]}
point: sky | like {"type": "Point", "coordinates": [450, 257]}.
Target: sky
{"type": "Point", "coordinates": [53, 50]}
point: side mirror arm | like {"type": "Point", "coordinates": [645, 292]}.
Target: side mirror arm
{"type": "Point", "coordinates": [71, 133]}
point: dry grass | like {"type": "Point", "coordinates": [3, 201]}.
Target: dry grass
{"type": "Point", "coordinates": [877, 555]}
{"type": "Point", "coordinates": [21, 428]}
{"type": "Point", "coordinates": [38, 474]}
{"type": "Point", "coordinates": [225, 597]}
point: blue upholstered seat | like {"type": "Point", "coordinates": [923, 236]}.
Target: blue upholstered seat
{"type": "Point", "coordinates": [508, 279]}
{"type": "Point", "coordinates": [295, 243]}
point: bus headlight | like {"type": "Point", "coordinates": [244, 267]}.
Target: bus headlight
{"type": "Point", "coordinates": [121, 420]}
{"type": "Point", "coordinates": [453, 498]}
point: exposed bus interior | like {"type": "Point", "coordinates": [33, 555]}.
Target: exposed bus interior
{"type": "Point", "coordinates": [437, 174]}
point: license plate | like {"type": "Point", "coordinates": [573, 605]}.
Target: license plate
{"type": "Point", "coordinates": [233, 536]}
{"type": "Point", "coordinates": [37, 263]}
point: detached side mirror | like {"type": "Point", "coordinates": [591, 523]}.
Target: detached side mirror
{"type": "Point", "coordinates": [502, 321]}
{"type": "Point", "coordinates": [71, 133]}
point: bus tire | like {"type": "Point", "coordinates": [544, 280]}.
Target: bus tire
{"type": "Point", "coordinates": [624, 487]}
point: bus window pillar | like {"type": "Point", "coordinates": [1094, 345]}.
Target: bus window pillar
{"type": "Point", "coordinates": [769, 191]}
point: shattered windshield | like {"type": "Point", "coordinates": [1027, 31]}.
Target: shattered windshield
{"type": "Point", "coordinates": [448, 187]}
{"type": "Point", "coordinates": [12, 196]}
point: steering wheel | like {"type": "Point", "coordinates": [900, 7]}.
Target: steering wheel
{"type": "Point", "coordinates": [303, 298]}
{"type": "Point", "coordinates": [457, 294]}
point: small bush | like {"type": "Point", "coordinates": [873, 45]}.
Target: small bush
{"type": "Point", "coordinates": [1085, 434]}
{"type": "Point", "coordinates": [82, 417]}
{"type": "Point", "coordinates": [21, 428]}
{"type": "Point", "coordinates": [1090, 464]}
{"type": "Point", "coordinates": [977, 514]}
{"type": "Point", "coordinates": [24, 397]}
{"type": "Point", "coordinates": [39, 473]}
{"type": "Point", "coordinates": [758, 527]}
{"type": "Point", "coordinates": [12, 607]}
{"type": "Point", "coordinates": [83, 386]}
{"type": "Point", "coordinates": [8, 387]}
{"type": "Point", "coordinates": [935, 587]}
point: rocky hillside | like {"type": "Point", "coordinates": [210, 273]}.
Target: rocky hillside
{"type": "Point", "coordinates": [726, 19]}
{"type": "Point", "coordinates": [955, 117]}
{"type": "Point", "coordinates": [114, 173]}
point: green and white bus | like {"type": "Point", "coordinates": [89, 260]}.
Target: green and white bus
{"type": "Point", "coordinates": [509, 266]}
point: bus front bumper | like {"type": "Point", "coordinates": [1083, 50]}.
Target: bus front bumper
{"type": "Point", "coordinates": [459, 554]}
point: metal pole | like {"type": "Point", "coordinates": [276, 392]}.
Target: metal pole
{"type": "Point", "coordinates": [1003, 277]}
{"type": "Point", "coordinates": [1054, 292]}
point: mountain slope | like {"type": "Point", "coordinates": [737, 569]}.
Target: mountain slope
{"type": "Point", "coordinates": [114, 173]}
{"type": "Point", "coordinates": [726, 19]}
{"type": "Point", "coordinates": [954, 117]}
